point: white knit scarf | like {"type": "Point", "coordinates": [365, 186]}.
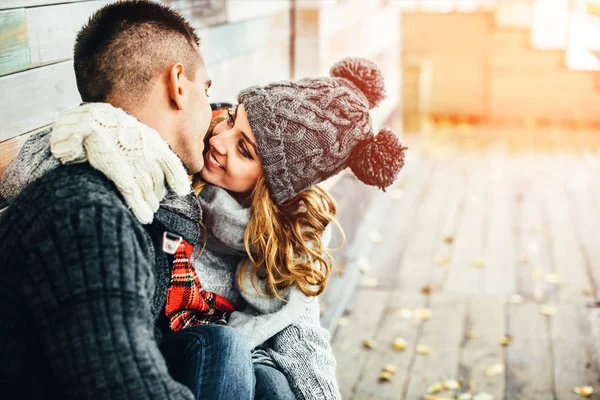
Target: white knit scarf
{"type": "Point", "coordinates": [129, 153]}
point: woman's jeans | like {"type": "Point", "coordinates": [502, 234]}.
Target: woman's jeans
{"type": "Point", "coordinates": [212, 360]}
{"type": "Point", "coordinates": [215, 363]}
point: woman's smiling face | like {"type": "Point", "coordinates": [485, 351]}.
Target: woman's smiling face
{"type": "Point", "coordinates": [231, 160]}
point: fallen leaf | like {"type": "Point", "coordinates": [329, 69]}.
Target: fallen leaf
{"type": "Point", "coordinates": [363, 264]}
{"type": "Point", "coordinates": [426, 290]}
{"type": "Point", "coordinates": [516, 298]}
{"type": "Point", "coordinates": [376, 237]}
{"type": "Point", "coordinates": [536, 274]}
{"type": "Point", "coordinates": [343, 321]}
{"type": "Point", "coordinates": [369, 282]}
{"type": "Point", "coordinates": [495, 369]}
{"type": "Point", "coordinates": [479, 263]}
{"type": "Point", "coordinates": [451, 384]}
{"type": "Point", "coordinates": [369, 343]}
{"type": "Point", "coordinates": [390, 368]}
{"type": "Point", "coordinates": [442, 260]}
{"type": "Point", "coordinates": [584, 391]}
{"type": "Point", "coordinates": [547, 310]}
{"type": "Point", "coordinates": [505, 340]}
{"type": "Point", "coordinates": [400, 344]}
{"type": "Point", "coordinates": [423, 349]}
{"type": "Point", "coordinates": [404, 313]}
{"type": "Point", "coordinates": [385, 376]}
{"type": "Point", "coordinates": [472, 334]}
{"type": "Point", "coordinates": [435, 388]}
{"type": "Point", "coordinates": [449, 239]}
{"type": "Point", "coordinates": [423, 313]}
{"type": "Point", "coordinates": [588, 292]}
{"type": "Point", "coordinates": [524, 258]}
{"type": "Point", "coordinates": [552, 278]}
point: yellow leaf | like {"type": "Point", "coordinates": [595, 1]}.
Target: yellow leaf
{"type": "Point", "coordinates": [505, 340]}
{"type": "Point", "coordinates": [547, 310]}
{"type": "Point", "coordinates": [588, 292]}
{"type": "Point", "coordinates": [472, 334]}
{"type": "Point", "coordinates": [524, 258]}
{"type": "Point", "coordinates": [369, 282]}
{"type": "Point", "coordinates": [479, 263]}
{"type": "Point", "coordinates": [404, 313]}
{"type": "Point", "coordinates": [390, 368]}
{"type": "Point", "coordinates": [495, 369]}
{"type": "Point", "coordinates": [584, 391]}
{"type": "Point", "coordinates": [369, 343]}
{"type": "Point", "coordinates": [536, 274]}
{"type": "Point", "coordinates": [435, 388]}
{"type": "Point", "coordinates": [376, 237]}
{"type": "Point", "coordinates": [451, 384]}
{"type": "Point", "coordinates": [442, 261]}
{"type": "Point", "coordinates": [423, 313]}
{"type": "Point", "coordinates": [516, 299]}
{"type": "Point", "coordinates": [423, 349]}
{"type": "Point", "coordinates": [400, 344]}
{"type": "Point", "coordinates": [385, 376]}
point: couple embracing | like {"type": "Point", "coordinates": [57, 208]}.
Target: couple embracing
{"type": "Point", "coordinates": [151, 250]}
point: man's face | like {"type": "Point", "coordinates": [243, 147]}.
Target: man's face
{"type": "Point", "coordinates": [195, 121]}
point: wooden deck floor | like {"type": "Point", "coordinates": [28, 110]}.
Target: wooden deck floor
{"type": "Point", "coordinates": [478, 217]}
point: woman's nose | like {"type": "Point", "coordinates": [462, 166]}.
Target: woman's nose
{"type": "Point", "coordinates": [218, 143]}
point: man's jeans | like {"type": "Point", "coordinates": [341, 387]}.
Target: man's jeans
{"type": "Point", "coordinates": [212, 360]}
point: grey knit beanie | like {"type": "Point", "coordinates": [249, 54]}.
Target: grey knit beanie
{"type": "Point", "coordinates": [311, 129]}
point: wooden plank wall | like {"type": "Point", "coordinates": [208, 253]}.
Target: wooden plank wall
{"type": "Point", "coordinates": [37, 81]}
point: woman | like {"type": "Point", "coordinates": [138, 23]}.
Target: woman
{"type": "Point", "coordinates": [265, 261]}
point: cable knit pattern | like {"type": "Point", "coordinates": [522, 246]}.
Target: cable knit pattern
{"type": "Point", "coordinates": [79, 278]}
{"type": "Point", "coordinates": [311, 129]}
{"type": "Point", "coordinates": [132, 155]}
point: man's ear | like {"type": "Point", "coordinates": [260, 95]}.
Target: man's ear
{"type": "Point", "coordinates": [177, 92]}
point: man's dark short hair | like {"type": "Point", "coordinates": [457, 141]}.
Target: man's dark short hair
{"type": "Point", "coordinates": [124, 46]}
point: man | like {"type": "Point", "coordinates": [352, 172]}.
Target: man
{"type": "Point", "coordinates": [82, 278]}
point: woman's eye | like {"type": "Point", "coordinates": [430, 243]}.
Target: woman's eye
{"type": "Point", "coordinates": [243, 150]}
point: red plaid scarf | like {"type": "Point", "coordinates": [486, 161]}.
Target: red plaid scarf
{"type": "Point", "coordinates": [187, 303]}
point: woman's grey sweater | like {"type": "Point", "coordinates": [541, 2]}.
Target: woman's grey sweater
{"type": "Point", "coordinates": [284, 333]}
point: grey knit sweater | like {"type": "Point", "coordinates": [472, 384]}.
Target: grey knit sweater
{"type": "Point", "coordinates": [285, 334]}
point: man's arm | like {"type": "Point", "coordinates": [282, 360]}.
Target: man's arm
{"type": "Point", "coordinates": [90, 290]}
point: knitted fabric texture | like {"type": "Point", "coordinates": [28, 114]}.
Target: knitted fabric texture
{"type": "Point", "coordinates": [187, 303]}
{"type": "Point", "coordinates": [132, 155]}
{"type": "Point", "coordinates": [311, 129]}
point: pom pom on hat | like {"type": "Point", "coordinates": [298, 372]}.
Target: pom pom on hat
{"type": "Point", "coordinates": [378, 160]}
{"type": "Point", "coordinates": [365, 75]}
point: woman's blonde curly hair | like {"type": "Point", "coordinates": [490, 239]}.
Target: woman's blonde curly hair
{"type": "Point", "coordinates": [284, 242]}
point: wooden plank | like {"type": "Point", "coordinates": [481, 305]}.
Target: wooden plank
{"type": "Point", "coordinates": [565, 250]}
{"type": "Point", "coordinates": [415, 269]}
{"type": "Point", "coordinates": [400, 230]}
{"type": "Point", "coordinates": [463, 277]}
{"type": "Point", "coordinates": [531, 244]}
{"type": "Point", "coordinates": [443, 332]}
{"type": "Point", "coordinates": [529, 362]}
{"type": "Point", "coordinates": [8, 4]}
{"type": "Point", "coordinates": [52, 34]}
{"type": "Point", "coordinates": [499, 273]}
{"type": "Point", "coordinates": [10, 148]}
{"type": "Point", "coordinates": [485, 324]}
{"type": "Point", "coordinates": [35, 98]}
{"type": "Point", "coordinates": [575, 353]}
{"type": "Point", "coordinates": [243, 10]}
{"type": "Point", "coordinates": [13, 41]}
{"type": "Point", "coordinates": [228, 41]}
{"type": "Point", "coordinates": [369, 386]}
{"type": "Point", "coordinates": [366, 311]}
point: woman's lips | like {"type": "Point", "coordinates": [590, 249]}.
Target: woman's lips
{"type": "Point", "coordinates": [212, 162]}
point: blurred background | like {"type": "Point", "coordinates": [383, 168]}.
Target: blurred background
{"type": "Point", "coordinates": [476, 275]}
